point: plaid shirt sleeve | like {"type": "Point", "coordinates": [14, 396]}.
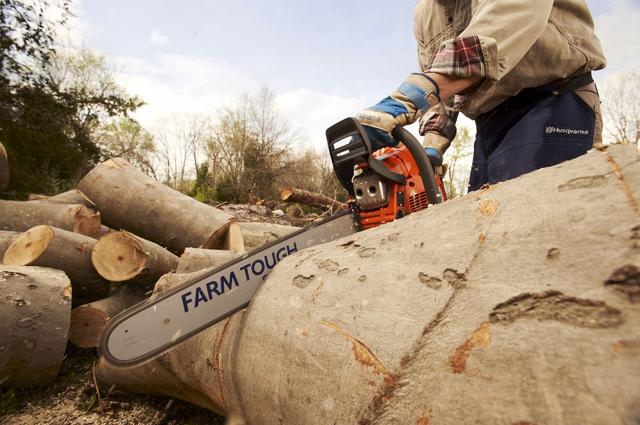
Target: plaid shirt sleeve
{"type": "Point", "coordinates": [460, 57]}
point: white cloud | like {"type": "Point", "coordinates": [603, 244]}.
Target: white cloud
{"type": "Point", "coordinates": [158, 39]}
{"type": "Point", "coordinates": [174, 84]}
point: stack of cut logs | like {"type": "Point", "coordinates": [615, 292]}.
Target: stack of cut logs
{"type": "Point", "coordinates": [72, 261]}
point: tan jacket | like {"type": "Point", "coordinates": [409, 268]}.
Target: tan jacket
{"type": "Point", "coordinates": [525, 43]}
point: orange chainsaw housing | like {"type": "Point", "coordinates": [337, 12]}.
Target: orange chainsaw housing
{"type": "Point", "coordinates": [403, 199]}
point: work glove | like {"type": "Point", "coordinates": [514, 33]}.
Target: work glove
{"type": "Point", "coordinates": [434, 146]}
{"type": "Point", "coordinates": [404, 106]}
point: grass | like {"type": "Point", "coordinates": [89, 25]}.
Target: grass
{"type": "Point", "coordinates": [8, 401]}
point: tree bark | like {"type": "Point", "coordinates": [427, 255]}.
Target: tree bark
{"type": "Point", "coordinates": [73, 196]}
{"type": "Point", "coordinates": [121, 256]}
{"type": "Point", "coordinates": [6, 238]}
{"type": "Point", "coordinates": [194, 259]}
{"type": "Point", "coordinates": [47, 246]}
{"type": "Point", "coordinates": [160, 376]}
{"type": "Point", "coordinates": [4, 169]}
{"type": "Point", "coordinates": [89, 320]}
{"type": "Point", "coordinates": [256, 234]}
{"type": "Point", "coordinates": [34, 311]}
{"type": "Point", "coordinates": [292, 194]}
{"type": "Point", "coordinates": [130, 200]}
{"type": "Point", "coordinates": [514, 304]}
{"type": "Point", "coordinates": [20, 216]}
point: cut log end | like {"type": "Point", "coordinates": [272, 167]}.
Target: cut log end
{"type": "Point", "coordinates": [118, 256]}
{"type": "Point", "coordinates": [234, 240]}
{"type": "Point", "coordinates": [87, 222]}
{"type": "Point", "coordinates": [86, 327]}
{"type": "Point", "coordinates": [29, 246]}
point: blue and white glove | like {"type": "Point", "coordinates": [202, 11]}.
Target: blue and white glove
{"type": "Point", "coordinates": [404, 106]}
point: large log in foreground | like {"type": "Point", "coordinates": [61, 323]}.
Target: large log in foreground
{"type": "Point", "coordinates": [516, 304]}
{"type": "Point", "coordinates": [130, 200]}
{"type": "Point", "coordinates": [47, 246]}
{"type": "Point", "coordinates": [20, 216]}
{"type": "Point", "coordinates": [34, 311]}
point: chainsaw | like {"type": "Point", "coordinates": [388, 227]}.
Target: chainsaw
{"type": "Point", "coordinates": [383, 185]}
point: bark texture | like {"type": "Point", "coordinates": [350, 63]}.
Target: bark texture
{"type": "Point", "coordinates": [256, 234]}
{"type": "Point", "coordinates": [292, 194]}
{"type": "Point", "coordinates": [6, 238]}
{"type": "Point", "coordinates": [73, 196]}
{"type": "Point", "coordinates": [194, 259]}
{"type": "Point", "coordinates": [517, 304]}
{"type": "Point", "coordinates": [34, 311]}
{"type": "Point", "coordinates": [89, 320]}
{"type": "Point", "coordinates": [4, 169]}
{"type": "Point", "coordinates": [121, 256]}
{"type": "Point", "coordinates": [20, 216]}
{"type": "Point", "coordinates": [47, 246]}
{"type": "Point", "coordinates": [166, 375]}
{"type": "Point", "coordinates": [129, 199]}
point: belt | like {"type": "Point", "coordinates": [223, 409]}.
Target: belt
{"type": "Point", "coordinates": [533, 94]}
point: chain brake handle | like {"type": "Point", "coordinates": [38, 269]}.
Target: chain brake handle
{"type": "Point", "coordinates": [349, 146]}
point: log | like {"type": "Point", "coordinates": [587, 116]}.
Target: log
{"type": "Point", "coordinates": [159, 376]}
{"type": "Point", "coordinates": [47, 246]}
{"type": "Point", "coordinates": [34, 311]}
{"type": "Point", "coordinates": [6, 238]}
{"type": "Point", "coordinates": [4, 169]}
{"type": "Point", "coordinates": [234, 240]}
{"type": "Point", "coordinates": [195, 259]}
{"type": "Point", "coordinates": [516, 304]}
{"type": "Point", "coordinates": [122, 256]}
{"type": "Point", "coordinates": [292, 194]}
{"type": "Point", "coordinates": [256, 234]}
{"type": "Point", "coordinates": [20, 216]}
{"type": "Point", "coordinates": [89, 320]}
{"type": "Point", "coordinates": [73, 196]}
{"type": "Point", "coordinates": [130, 200]}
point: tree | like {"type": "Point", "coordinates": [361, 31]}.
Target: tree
{"type": "Point", "coordinates": [181, 149]}
{"type": "Point", "coordinates": [126, 138]}
{"type": "Point", "coordinates": [51, 103]}
{"type": "Point", "coordinates": [456, 177]}
{"type": "Point", "coordinates": [248, 147]}
{"type": "Point", "coordinates": [621, 108]}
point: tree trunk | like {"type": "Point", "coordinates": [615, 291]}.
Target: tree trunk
{"type": "Point", "coordinates": [6, 238]}
{"type": "Point", "coordinates": [515, 304]}
{"type": "Point", "coordinates": [73, 196]}
{"type": "Point", "coordinates": [4, 169]}
{"type": "Point", "coordinates": [89, 320]}
{"type": "Point", "coordinates": [47, 246]}
{"type": "Point", "coordinates": [291, 194]}
{"type": "Point", "coordinates": [194, 259]}
{"type": "Point", "coordinates": [130, 200]}
{"type": "Point", "coordinates": [121, 256]}
{"type": "Point", "coordinates": [160, 376]}
{"type": "Point", "coordinates": [34, 311]}
{"type": "Point", "coordinates": [20, 216]}
{"type": "Point", "coordinates": [256, 234]}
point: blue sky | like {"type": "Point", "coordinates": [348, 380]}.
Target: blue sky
{"type": "Point", "coordinates": [324, 59]}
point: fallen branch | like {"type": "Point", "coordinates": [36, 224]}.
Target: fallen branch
{"type": "Point", "coordinates": [291, 194]}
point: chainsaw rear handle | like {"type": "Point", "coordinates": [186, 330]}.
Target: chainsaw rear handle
{"type": "Point", "coordinates": [422, 161]}
{"type": "Point", "coordinates": [349, 145]}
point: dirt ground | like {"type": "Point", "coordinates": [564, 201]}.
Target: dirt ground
{"type": "Point", "coordinates": [71, 399]}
